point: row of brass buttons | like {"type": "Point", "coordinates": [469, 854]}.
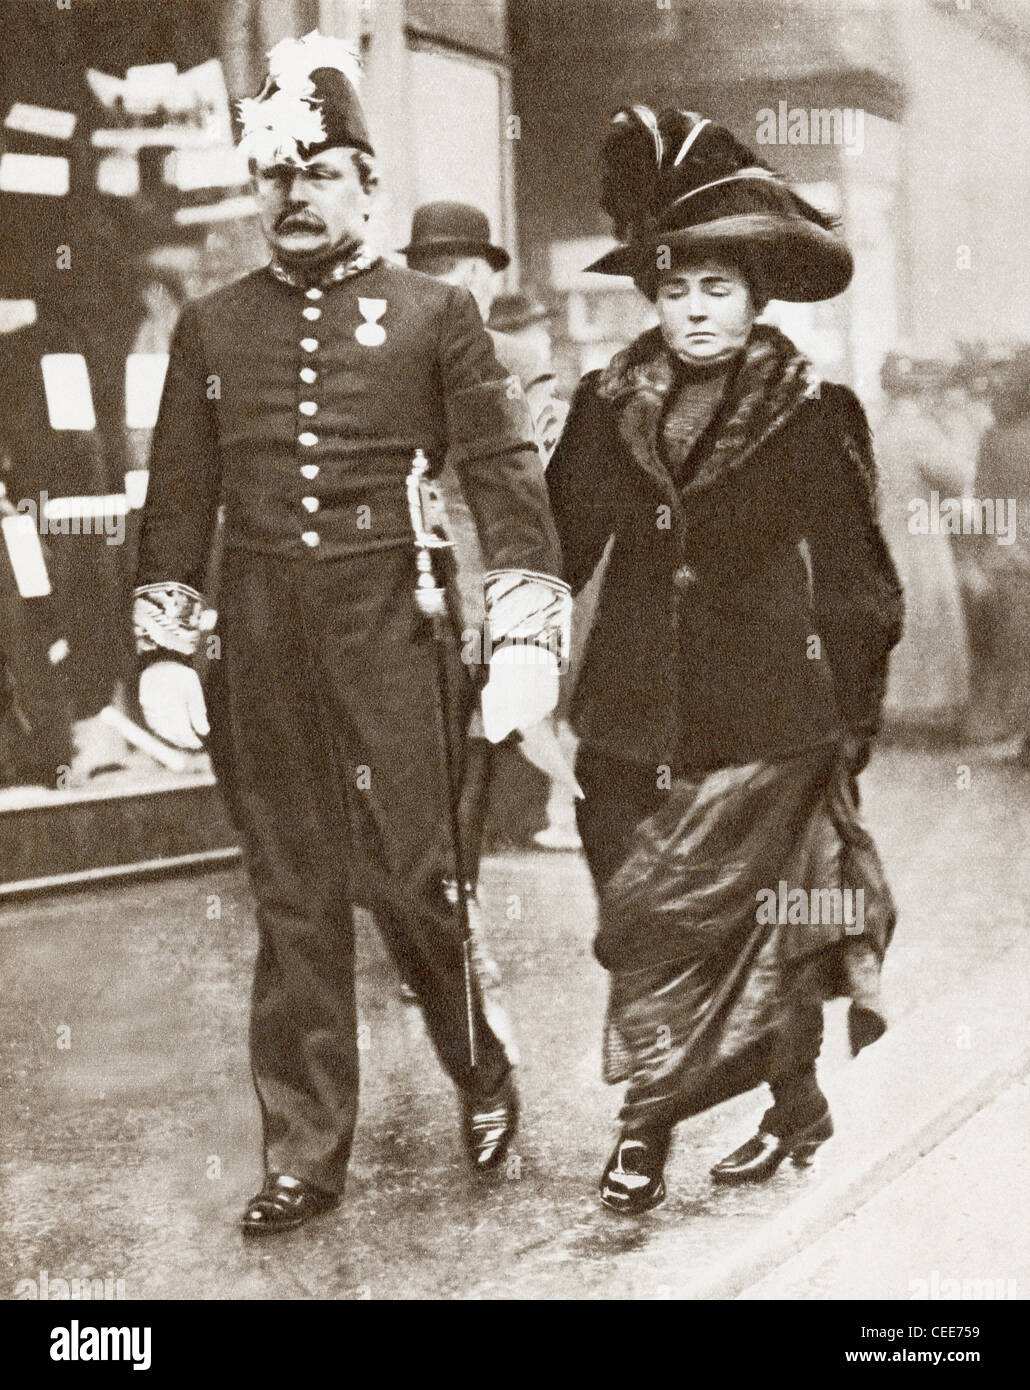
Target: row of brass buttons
{"type": "Point", "coordinates": [308, 438]}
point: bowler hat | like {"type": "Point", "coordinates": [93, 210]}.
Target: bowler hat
{"type": "Point", "coordinates": [677, 183]}
{"type": "Point", "coordinates": [453, 229]}
{"type": "Point", "coordinates": [510, 312]}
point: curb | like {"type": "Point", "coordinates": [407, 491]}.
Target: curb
{"type": "Point", "coordinates": [894, 1149]}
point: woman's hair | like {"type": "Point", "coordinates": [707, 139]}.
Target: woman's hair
{"type": "Point", "coordinates": [746, 261]}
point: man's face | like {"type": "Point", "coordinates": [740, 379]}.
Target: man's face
{"type": "Point", "coordinates": [309, 206]}
{"type": "Point", "coordinates": [705, 310]}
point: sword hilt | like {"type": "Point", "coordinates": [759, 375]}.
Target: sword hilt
{"type": "Point", "coordinates": [430, 595]}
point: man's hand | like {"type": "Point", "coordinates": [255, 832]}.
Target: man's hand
{"type": "Point", "coordinates": [521, 689]}
{"type": "Point", "coordinates": [172, 702]}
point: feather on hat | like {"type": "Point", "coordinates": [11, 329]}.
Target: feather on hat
{"type": "Point", "coordinates": [677, 180]}
{"type": "Point", "coordinates": [309, 102]}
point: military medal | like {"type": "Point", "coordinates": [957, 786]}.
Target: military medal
{"type": "Point", "coordinates": [371, 333]}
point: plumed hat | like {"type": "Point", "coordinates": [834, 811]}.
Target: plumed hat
{"type": "Point", "coordinates": [676, 179]}
{"type": "Point", "coordinates": [308, 104]}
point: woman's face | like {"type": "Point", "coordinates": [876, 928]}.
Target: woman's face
{"type": "Point", "coordinates": [705, 310]}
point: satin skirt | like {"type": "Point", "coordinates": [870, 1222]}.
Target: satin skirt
{"type": "Point", "coordinates": [746, 899]}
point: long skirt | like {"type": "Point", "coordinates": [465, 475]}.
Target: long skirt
{"type": "Point", "coordinates": [748, 897]}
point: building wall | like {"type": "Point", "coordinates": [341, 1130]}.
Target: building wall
{"type": "Point", "coordinates": [965, 209]}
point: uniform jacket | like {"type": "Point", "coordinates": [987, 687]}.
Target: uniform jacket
{"type": "Point", "coordinates": [701, 652]}
{"type": "Point", "coordinates": [301, 411]}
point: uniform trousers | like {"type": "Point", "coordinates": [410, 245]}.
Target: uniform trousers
{"type": "Point", "coordinates": [322, 692]}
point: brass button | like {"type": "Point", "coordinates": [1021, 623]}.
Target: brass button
{"type": "Point", "coordinates": [309, 470]}
{"type": "Point", "coordinates": [310, 312]}
{"type": "Point", "coordinates": [307, 439]}
{"type": "Point", "coordinates": [307, 407]}
{"type": "Point", "coordinates": [309, 344]}
{"type": "Point", "coordinates": [313, 293]}
{"type": "Point", "coordinates": [308, 375]}
{"type": "Point", "coordinates": [311, 538]}
{"type": "Point", "coordinates": [309, 504]}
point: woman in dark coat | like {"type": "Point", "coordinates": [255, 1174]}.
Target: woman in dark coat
{"type": "Point", "coordinates": [737, 660]}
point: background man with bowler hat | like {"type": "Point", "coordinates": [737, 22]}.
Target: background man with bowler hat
{"type": "Point", "coordinates": [451, 242]}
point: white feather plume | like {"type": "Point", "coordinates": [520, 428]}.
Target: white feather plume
{"type": "Point", "coordinates": [292, 61]}
{"type": "Point", "coordinates": [274, 126]}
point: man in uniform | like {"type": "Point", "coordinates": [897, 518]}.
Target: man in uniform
{"type": "Point", "coordinates": [297, 397]}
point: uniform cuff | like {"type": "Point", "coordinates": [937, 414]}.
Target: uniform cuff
{"type": "Point", "coordinates": [530, 608]}
{"type": "Point", "coordinates": [166, 620]}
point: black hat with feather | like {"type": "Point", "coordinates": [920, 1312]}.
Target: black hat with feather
{"type": "Point", "coordinates": [675, 180]}
{"type": "Point", "coordinates": [309, 102]}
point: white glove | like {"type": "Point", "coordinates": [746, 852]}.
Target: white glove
{"type": "Point", "coordinates": [521, 689]}
{"type": "Point", "coordinates": [172, 702]}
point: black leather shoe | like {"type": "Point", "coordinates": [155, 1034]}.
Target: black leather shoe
{"type": "Point", "coordinates": [283, 1204]}
{"type": "Point", "coordinates": [759, 1158]}
{"type": "Point", "coordinates": [489, 1124]}
{"type": "Point", "coordinates": [633, 1180]}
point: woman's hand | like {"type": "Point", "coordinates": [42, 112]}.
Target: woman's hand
{"type": "Point", "coordinates": [857, 752]}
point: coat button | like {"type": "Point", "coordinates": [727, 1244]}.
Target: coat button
{"type": "Point", "coordinates": [310, 504]}
{"type": "Point", "coordinates": [311, 312]}
{"type": "Point", "coordinates": [307, 438]}
{"type": "Point", "coordinates": [313, 293]}
{"type": "Point", "coordinates": [309, 344]}
{"type": "Point", "coordinates": [311, 538]}
{"type": "Point", "coordinates": [308, 375]}
{"type": "Point", "coordinates": [307, 407]}
{"type": "Point", "coordinates": [309, 471]}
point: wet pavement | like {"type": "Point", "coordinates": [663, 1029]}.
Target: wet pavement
{"type": "Point", "coordinates": [129, 1125]}
{"type": "Point", "coordinates": [953, 1227]}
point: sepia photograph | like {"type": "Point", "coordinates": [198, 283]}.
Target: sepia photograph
{"type": "Point", "coordinates": [514, 667]}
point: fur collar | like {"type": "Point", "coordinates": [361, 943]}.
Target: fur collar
{"type": "Point", "coordinates": [770, 383]}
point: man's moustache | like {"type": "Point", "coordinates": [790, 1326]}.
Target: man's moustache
{"type": "Point", "coordinates": [299, 221]}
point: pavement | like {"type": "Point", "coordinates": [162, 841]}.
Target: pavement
{"type": "Point", "coordinates": [128, 1143]}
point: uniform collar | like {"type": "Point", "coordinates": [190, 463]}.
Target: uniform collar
{"type": "Point", "coordinates": [323, 276]}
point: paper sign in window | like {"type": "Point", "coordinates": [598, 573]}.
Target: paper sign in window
{"type": "Point", "coordinates": [69, 400]}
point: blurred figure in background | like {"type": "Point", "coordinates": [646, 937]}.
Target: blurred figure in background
{"type": "Point", "coordinates": [1003, 471]}
{"type": "Point", "coordinates": [929, 686]}
{"type": "Point", "coordinates": [452, 242]}
{"type": "Point", "coordinates": [962, 407]}
{"type": "Point", "coordinates": [523, 320]}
